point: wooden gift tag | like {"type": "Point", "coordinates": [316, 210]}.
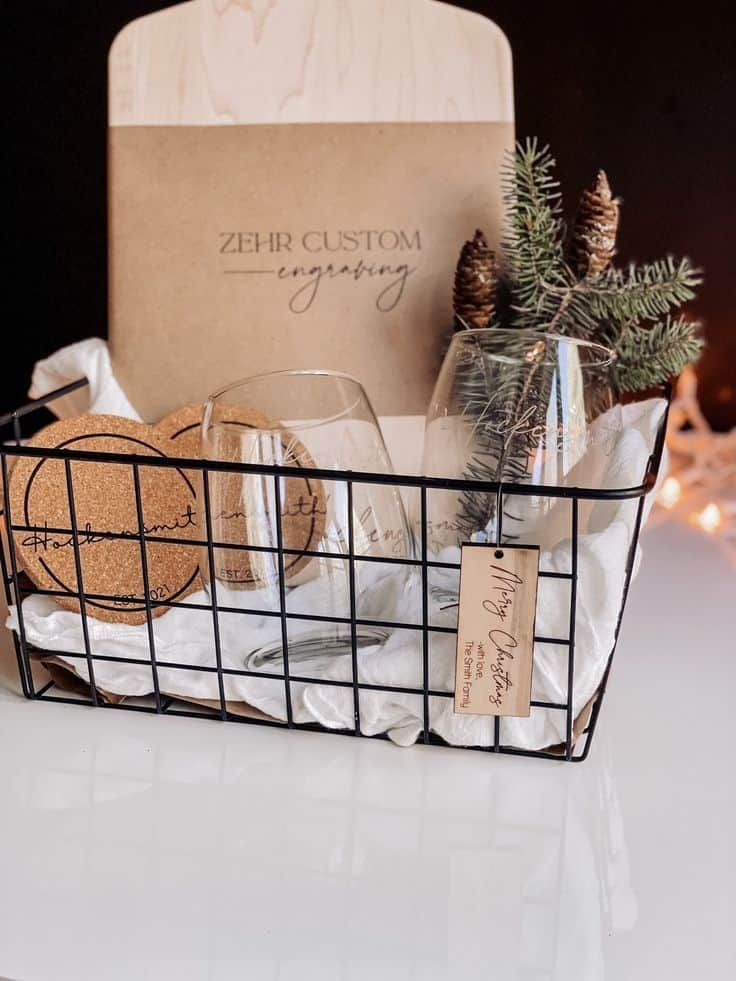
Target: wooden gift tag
{"type": "Point", "coordinates": [495, 637]}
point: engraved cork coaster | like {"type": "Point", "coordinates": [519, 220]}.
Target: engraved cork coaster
{"type": "Point", "coordinates": [243, 506]}
{"type": "Point", "coordinates": [183, 426]}
{"type": "Point", "coordinates": [105, 502]}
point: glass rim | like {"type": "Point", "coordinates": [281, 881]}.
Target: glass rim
{"type": "Point", "coordinates": [279, 426]}
{"type": "Point", "coordinates": [606, 356]}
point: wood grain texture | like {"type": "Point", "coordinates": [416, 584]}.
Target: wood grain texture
{"type": "Point", "coordinates": [216, 62]}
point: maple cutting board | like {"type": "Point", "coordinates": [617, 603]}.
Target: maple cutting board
{"type": "Point", "coordinates": [241, 241]}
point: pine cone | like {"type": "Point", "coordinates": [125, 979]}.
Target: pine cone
{"type": "Point", "coordinates": [476, 278]}
{"type": "Point", "coordinates": [593, 239]}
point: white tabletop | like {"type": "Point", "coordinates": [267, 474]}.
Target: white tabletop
{"type": "Point", "coordinates": [137, 847]}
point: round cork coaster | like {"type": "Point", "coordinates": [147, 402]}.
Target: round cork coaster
{"type": "Point", "coordinates": [183, 426]}
{"type": "Point", "coordinates": [243, 505]}
{"type": "Point", "coordinates": [105, 502]}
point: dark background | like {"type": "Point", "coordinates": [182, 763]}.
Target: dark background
{"type": "Point", "coordinates": [646, 93]}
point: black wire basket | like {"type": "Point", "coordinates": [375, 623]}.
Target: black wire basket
{"type": "Point", "coordinates": [578, 736]}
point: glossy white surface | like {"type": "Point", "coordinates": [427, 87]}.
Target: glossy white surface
{"type": "Point", "coordinates": [133, 847]}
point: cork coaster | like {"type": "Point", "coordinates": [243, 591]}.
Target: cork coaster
{"type": "Point", "coordinates": [183, 426]}
{"type": "Point", "coordinates": [243, 505]}
{"type": "Point", "coordinates": [104, 501]}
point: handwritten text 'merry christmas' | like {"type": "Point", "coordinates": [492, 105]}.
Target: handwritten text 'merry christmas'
{"type": "Point", "coordinates": [492, 660]}
{"type": "Point", "coordinates": [495, 643]}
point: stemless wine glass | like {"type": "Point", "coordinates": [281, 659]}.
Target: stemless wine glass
{"type": "Point", "coordinates": [293, 532]}
{"type": "Point", "coordinates": [515, 406]}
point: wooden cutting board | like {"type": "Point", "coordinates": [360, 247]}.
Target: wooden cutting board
{"type": "Point", "coordinates": [250, 64]}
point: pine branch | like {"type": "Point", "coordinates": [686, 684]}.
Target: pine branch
{"type": "Point", "coordinates": [631, 310]}
{"type": "Point", "coordinates": [647, 356]}
{"type": "Point", "coordinates": [490, 391]}
{"type": "Point", "coordinates": [643, 292]}
{"type": "Point", "coordinates": [533, 245]}
{"type": "Point", "coordinates": [620, 298]}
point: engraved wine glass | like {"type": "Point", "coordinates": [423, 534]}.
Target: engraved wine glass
{"type": "Point", "coordinates": [516, 407]}
{"type": "Point", "coordinates": [284, 540]}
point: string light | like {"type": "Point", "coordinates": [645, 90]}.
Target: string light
{"type": "Point", "coordinates": [710, 518]}
{"type": "Point", "coordinates": [701, 488]}
{"type": "Point", "coordinates": [670, 493]}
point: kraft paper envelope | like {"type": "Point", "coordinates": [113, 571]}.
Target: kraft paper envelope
{"type": "Point", "coordinates": [236, 250]}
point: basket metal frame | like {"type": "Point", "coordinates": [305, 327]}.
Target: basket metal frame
{"type": "Point", "coordinates": [17, 586]}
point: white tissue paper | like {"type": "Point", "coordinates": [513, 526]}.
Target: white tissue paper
{"type": "Point", "coordinates": [186, 636]}
{"type": "Point", "coordinates": [88, 359]}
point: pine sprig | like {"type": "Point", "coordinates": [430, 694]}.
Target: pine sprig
{"type": "Point", "coordinates": [632, 310]}
{"type": "Point", "coordinates": [494, 456]}
{"type": "Point", "coordinates": [548, 295]}
{"type": "Point", "coordinates": [648, 355]}
{"type": "Point", "coordinates": [644, 292]}
{"type": "Point", "coordinates": [534, 232]}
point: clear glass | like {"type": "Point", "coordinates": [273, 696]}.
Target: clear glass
{"type": "Point", "coordinates": [516, 406]}
{"type": "Point", "coordinates": [302, 419]}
